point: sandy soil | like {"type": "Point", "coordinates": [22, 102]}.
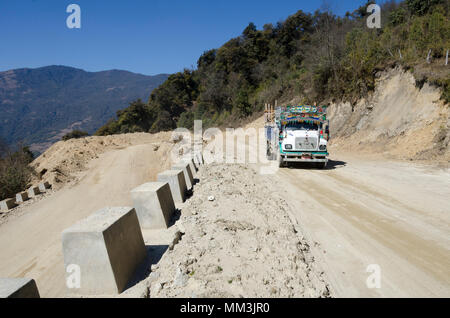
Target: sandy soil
{"type": "Point", "coordinates": [239, 241]}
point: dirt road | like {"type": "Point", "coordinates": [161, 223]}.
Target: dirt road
{"type": "Point", "coordinates": [358, 212]}
{"type": "Point", "coordinates": [363, 212]}
{"type": "Point", "coordinates": [30, 244]}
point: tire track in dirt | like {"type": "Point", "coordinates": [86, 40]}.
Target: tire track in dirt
{"type": "Point", "coordinates": [373, 218]}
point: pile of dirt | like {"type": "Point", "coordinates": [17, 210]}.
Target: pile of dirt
{"type": "Point", "coordinates": [401, 119]}
{"type": "Point", "coordinates": [62, 162]}
{"type": "Point", "coordinates": [238, 241]}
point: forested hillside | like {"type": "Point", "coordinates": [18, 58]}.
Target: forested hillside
{"type": "Point", "coordinates": [316, 57]}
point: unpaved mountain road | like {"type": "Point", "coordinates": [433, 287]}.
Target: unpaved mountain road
{"type": "Point", "coordinates": [363, 212]}
{"type": "Point", "coordinates": [355, 213]}
{"type": "Point", "coordinates": [30, 244]}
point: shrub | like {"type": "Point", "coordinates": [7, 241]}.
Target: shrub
{"type": "Point", "coordinates": [15, 172]}
{"type": "Point", "coordinates": [186, 120]}
{"type": "Point", "coordinates": [75, 134]}
{"type": "Point", "coordinates": [445, 84]}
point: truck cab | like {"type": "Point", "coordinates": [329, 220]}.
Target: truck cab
{"type": "Point", "coordinates": [303, 135]}
{"type": "Point", "coordinates": [303, 142]}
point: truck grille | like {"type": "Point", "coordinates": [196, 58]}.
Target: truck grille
{"type": "Point", "coordinates": [303, 143]}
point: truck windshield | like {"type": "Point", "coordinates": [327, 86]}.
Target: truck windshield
{"type": "Point", "coordinates": [301, 126]}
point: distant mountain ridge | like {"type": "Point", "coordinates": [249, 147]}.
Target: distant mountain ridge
{"type": "Point", "coordinates": [38, 106]}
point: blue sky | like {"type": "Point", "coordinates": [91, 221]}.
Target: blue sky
{"type": "Point", "coordinates": [142, 36]}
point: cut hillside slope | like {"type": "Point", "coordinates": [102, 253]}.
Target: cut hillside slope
{"type": "Point", "coordinates": [398, 120]}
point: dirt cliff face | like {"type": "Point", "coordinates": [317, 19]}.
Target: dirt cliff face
{"type": "Point", "coordinates": [398, 120]}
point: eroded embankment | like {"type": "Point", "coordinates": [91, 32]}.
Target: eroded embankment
{"type": "Point", "coordinates": [239, 241]}
{"type": "Point", "coordinates": [400, 120]}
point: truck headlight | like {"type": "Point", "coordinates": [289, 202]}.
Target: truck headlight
{"type": "Point", "coordinates": [323, 147]}
{"type": "Point", "coordinates": [288, 146]}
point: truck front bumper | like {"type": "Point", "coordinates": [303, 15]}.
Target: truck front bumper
{"type": "Point", "coordinates": [304, 156]}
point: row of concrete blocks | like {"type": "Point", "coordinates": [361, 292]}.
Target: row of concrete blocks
{"type": "Point", "coordinates": [20, 287]}
{"type": "Point", "coordinates": [154, 202]}
{"type": "Point", "coordinates": [32, 192]}
{"type": "Point", "coordinates": [108, 246]}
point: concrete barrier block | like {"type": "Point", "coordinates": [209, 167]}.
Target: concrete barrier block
{"type": "Point", "coordinates": [7, 204]}
{"type": "Point", "coordinates": [199, 157]}
{"type": "Point", "coordinates": [22, 197]}
{"type": "Point", "coordinates": [154, 205]}
{"type": "Point", "coordinates": [107, 248]}
{"type": "Point", "coordinates": [188, 177]}
{"type": "Point", "coordinates": [177, 183]}
{"type": "Point", "coordinates": [196, 164]}
{"type": "Point", "coordinates": [43, 187]}
{"type": "Point", "coordinates": [33, 191]}
{"type": "Point", "coordinates": [196, 161]}
{"type": "Point", "coordinates": [190, 161]}
{"type": "Point", "coordinates": [18, 288]}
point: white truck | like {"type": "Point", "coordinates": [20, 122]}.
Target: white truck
{"type": "Point", "coordinates": [298, 134]}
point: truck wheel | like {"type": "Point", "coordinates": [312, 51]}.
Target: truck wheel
{"type": "Point", "coordinates": [268, 152]}
{"type": "Point", "coordinates": [281, 162]}
{"type": "Point", "coordinates": [321, 165]}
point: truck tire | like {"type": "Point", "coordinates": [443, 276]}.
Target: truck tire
{"type": "Point", "coordinates": [268, 151]}
{"type": "Point", "coordinates": [321, 165]}
{"type": "Point", "coordinates": [280, 162]}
